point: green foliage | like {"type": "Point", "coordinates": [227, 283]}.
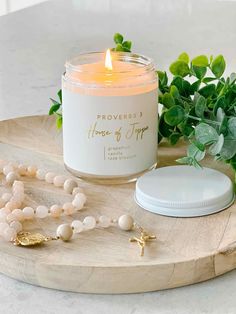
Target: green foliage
{"type": "Point", "coordinates": [202, 112]}
{"type": "Point", "coordinates": [56, 109]}
{"type": "Point", "coordinates": [121, 45]}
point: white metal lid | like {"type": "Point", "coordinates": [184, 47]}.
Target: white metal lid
{"type": "Point", "coordinates": [184, 191]}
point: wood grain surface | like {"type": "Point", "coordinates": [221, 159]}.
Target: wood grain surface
{"type": "Point", "coordinates": [188, 250]}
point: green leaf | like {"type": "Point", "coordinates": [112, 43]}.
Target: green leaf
{"type": "Point", "coordinates": [200, 72]}
{"type": "Point", "coordinates": [59, 122]}
{"type": "Point", "coordinates": [127, 44]}
{"type": "Point", "coordinates": [183, 86]}
{"type": "Point", "coordinates": [168, 100]}
{"type": "Point", "coordinates": [232, 127]}
{"type": "Point", "coordinates": [184, 57]}
{"type": "Point", "coordinates": [218, 66]}
{"type": "Point", "coordinates": [221, 118]}
{"type": "Point", "coordinates": [125, 49]}
{"type": "Point", "coordinates": [215, 148]}
{"type": "Point", "coordinates": [208, 90]}
{"type": "Point", "coordinates": [232, 78]}
{"type": "Point", "coordinates": [206, 134]}
{"type": "Point", "coordinates": [200, 105]}
{"type": "Point", "coordinates": [174, 91]}
{"type": "Point", "coordinates": [55, 102]}
{"type": "Point", "coordinates": [228, 150]}
{"type": "Point", "coordinates": [200, 61]}
{"type": "Point", "coordinates": [164, 129]}
{"type": "Point", "coordinates": [195, 86]}
{"type": "Point", "coordinates": [54, 109]}
{"type": "Point", "coordinates": [174, 138]}
{"type": "Point", "coordinates": [208, 79]}
{"type": "Point", "coordinates": [59, 94]}
{"type": "Point", "coordinates": [119, 47]}
{"type": "Point", "coordinates": [185, 160]}
{"type": "Point", "coordinates": [174, 115]}
{"type": "Point", "coordinates": [220, 103]}
{"type": "Point", "coordinates": [179, 68]}
{"type": "Point", "coordinates": [118, 38]}
{"type": "Point", "coordinates": [163, 79]}
{"type": "Point", "coordinates": [194, 152]}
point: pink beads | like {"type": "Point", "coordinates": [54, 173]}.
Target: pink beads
{"type": "Point", "coordinates": [9, 234]}
{"type": "Point", "coordinates": [104, 221]}
{"type": "Point", "coordinates": [41, 211]}
{"type": "Point", "coordinates": [55, 211]}
{"type": "Point", "coordinates": [77, 225]}
{"type": "Point", "coordinates": [89, 222]}
{"type": "Point", "coordinates": [28, 213]}
{"type": "Point", "coordinates": [68, 209]}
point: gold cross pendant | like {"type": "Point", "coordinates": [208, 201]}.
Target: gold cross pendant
{"type": "Point", "coordinates": [144, 238]}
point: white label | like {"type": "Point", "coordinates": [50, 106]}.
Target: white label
{"type": "Point", "coordinates": [110, 135]}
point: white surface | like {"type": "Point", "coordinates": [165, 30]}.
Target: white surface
{"type": "Point", "coordinates": [184, 191]}
{"type": "Point", "coordinates": [8, 6]}
{"type": "Point", "coordinates": [34, 44]}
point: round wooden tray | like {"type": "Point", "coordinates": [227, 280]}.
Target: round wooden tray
{"type": "Point", "coordinates": [188, 250]}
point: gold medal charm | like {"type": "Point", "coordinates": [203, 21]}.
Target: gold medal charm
{"type": "Point", "coordinates": [30, 239]}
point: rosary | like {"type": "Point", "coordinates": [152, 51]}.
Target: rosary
{"type": "Point", "coordinates": [13, 213]}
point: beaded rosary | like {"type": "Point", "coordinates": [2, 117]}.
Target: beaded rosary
{"type": "Point", "coordinates": [12, 214]}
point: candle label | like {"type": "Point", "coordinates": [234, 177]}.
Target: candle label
{"type": "Point", "coordinates": [110, 135]}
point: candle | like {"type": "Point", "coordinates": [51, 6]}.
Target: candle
{"type": "Point", "coordinates": [109, 116]}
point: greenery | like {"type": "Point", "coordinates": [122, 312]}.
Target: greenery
{"type": "Point", "coordinates": [199, 105]}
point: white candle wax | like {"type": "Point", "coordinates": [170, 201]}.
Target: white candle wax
{"type": "Point", "coordinates": [109, 118]}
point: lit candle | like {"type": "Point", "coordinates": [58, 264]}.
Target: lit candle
{"type": "Point", "coordinates": [109, 116]}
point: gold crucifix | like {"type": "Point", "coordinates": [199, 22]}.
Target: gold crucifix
{"type": "Point", "coordinates": [144, 238]}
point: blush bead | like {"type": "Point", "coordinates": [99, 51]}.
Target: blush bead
{"type": "Point", "coordinates": [11, 177]}
{"type": "Point", "coordinates": [18, 213]}
{"type": "Point", "coordinates": [126, 222]}
{"type": "Point", "coordinates": [49, 177]}
{"type": "Point", "coordinates": [64, 232]}
{"type": "Point", "coordinates": [41, 211]}
{"type": "Point", "coordinates": [69, 185]}
{"type": "Point", "coordinates": [18, 197]}
{"type": "Point", "coordinates": [6, 197]}
{"type": "Point", "coordinates": [82, 197]}
{"type": "Point", "coordinates": [68, 209]}
{"type": "Point", "coordinates": [10, 218]}
{"type": "Point", "coordinates": [31, 170]}
{"type": "Point", "coordinates": [16, 225]}
{"type": "Point", "coordinates": [28, 212]}
{"type": "Point", "coordinates": [22, 170]}
{"type": "Point", "coordinates": [9, 234]}
{"type": "Point", "coordinates": [5, 211]}
{"type": "Point", "coordinates": [40, 174]}
{"type": "Point", "coordinates": [89, 222]}
{"type": "Point", "coordinates": [55, 211]}
{"type": "Point", "coordinates": [2, 202]}
{"type": "Point", "coordinates": [11, 205]}
{"type": "Point", "coordinates": [59, 181]}
{"type": "Point", "coordinates": [77, 225]}
{"type": "Point", "coordinates": [3, 217]}
{"type": "Point", "coordinates": [77, 190]}
{"type": "Point", "coordinates": [8, 168]}
{"type": "Point", "coordinates": [104, 221]}
{"type": "Point", "coordinates": [78, 204]}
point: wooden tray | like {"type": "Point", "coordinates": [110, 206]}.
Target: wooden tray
{"type": "Point", "coordinates": [187, 251]}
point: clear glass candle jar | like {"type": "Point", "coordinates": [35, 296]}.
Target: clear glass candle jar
{"type": "Point", "coordinates": [109, 117]}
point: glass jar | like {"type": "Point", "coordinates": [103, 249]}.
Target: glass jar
{"type": "Point", "coordinates": [109, 117]}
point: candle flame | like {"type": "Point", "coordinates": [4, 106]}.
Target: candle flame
{"type": "Point", "coordinates": [108, 62]}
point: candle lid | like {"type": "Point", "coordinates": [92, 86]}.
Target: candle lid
{"type": "Point", "coordinates": [184, 191]}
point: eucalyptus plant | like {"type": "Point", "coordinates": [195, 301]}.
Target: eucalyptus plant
{"type": "Point", "coordinates": [199, 105]}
